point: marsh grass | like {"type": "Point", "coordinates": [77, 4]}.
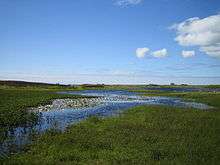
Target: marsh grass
{"type": "Point", "coordinates": [15, 101]}
{"type": "Point", "coordinates": [142, 135]}
{"type": "Point", "coordinates": [210, 98]}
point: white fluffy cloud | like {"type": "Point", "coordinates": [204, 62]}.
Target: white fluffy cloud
{"type": "Point", "coordinates": [160, 53]}
{"type": "Point", "coordinates": [187, 54]}
{"type": "Point", "coordinates": [127, 2]}
{"type": "Point", "coordinates": [204, 33]}
{"type": "Point", "coordinates": [141, 52]}
{"type": "Point", "coordinates": [211, 50]}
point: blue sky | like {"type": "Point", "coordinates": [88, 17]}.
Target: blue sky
{"type": "Point", "coordinates": [110, 41]}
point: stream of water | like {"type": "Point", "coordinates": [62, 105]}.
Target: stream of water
{"type": "Point", "coordinates": [109, 103]}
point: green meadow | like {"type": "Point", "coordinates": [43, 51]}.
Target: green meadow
{"type": "Point", "coordinates": [209, 98]}
{"type": "Point", "coordinates": [141, 135]}
{"type": "Point", "coordinates": [14, 102]}
{"type": "Point", "coordinates": [112, 82]}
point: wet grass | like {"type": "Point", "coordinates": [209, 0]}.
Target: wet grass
{"type": "Point", "coordinates": [15, 101]}
{"type": "Point", "coordinates": [210, 98]}
{"type": "Point", "coordinates": [142, 135]}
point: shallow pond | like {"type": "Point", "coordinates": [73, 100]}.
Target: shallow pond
{"type": "Point", "coordinates": [110, 103]}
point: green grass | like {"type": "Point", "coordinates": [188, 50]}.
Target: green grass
{"type": "Point", "coordinates": [210, 98]}
{"type": "Point", "coordinates": [142, 135]}
{"type": "Point", "coordinates": [212, 86]}
{"type": "Point", "coordinates": [15, 101]}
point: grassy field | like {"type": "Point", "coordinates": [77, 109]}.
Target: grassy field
{"type": "Point", "coordinates": [142, 135]}
{"type": "Point", "coordinates": [210, 98]}
{"type": "Point", "coordinates": [14, 102]}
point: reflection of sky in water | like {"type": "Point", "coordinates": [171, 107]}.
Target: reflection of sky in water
{"type": "Point", "coordinates": [111, 103]}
